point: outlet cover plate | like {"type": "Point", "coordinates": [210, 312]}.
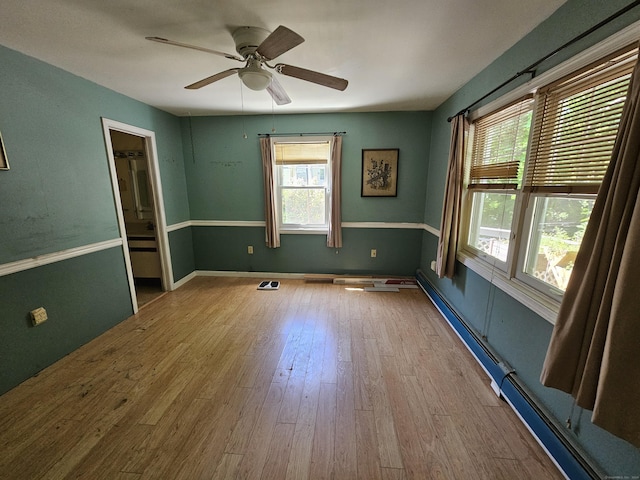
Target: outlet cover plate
{"type": "Point", "coordinates": [38, 316]}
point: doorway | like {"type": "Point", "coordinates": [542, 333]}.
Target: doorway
{"type": "Point", "coordinates": [138, 198]}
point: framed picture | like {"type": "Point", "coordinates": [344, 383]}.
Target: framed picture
{"type": "Point", "coordinates": [4, 163]}
{"type": "Point", "coordinates": [380, 172]}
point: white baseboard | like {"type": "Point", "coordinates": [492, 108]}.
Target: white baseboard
{"type": "Point", "coordinates": [224, 273]}
{"type": "Point", "coordinates": [183, 280]}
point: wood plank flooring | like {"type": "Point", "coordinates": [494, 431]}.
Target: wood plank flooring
{"type": "Point", "coordinates": [218, 380]}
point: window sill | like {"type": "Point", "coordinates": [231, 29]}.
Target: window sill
{"type": "Point", "coordinates": [544, 306]}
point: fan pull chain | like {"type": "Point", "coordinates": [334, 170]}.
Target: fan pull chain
{"type": "Point", "coordinates": [193, 152]}
{"type": "Point", "coordinates": [244, 129]}
{"type": "Point", "coordinates": [273, 117]}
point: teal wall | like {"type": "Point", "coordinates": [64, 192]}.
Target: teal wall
{"type": "Point", "coordinates": [224, 170]}
{"type": "Point", "coordinates": [58, 193]}
{"type": "Point", "coordinates": [182, 258]}
{"type": "Point", "coordinates": [225, 248]}
{"type": "Point", "coordinates": [56, 196]}
{"type": "Point", "coordinates": [224, 180]}
{"type": "Point", "coordinates": [84, 297]}
{"type": "Point", "coordinates": [517, 334]}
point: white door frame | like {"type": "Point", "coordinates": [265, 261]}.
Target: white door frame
{"type": "Point", "coordinates": [158, 203]}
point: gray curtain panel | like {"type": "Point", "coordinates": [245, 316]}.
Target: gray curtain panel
{"type": "Point", "coordinates": [450, 223]}
{"type": "Point", "coordinates": [593, 353]}
{"type": "Point", "coordinates": [334, 236]}
{"type": "Point", "coordinates": [272, 234]}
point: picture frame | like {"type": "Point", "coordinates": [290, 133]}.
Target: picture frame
{"type": "Point", "coordinates": [380, 172]}
{"type": "Point", "coordinates": [4, 162]}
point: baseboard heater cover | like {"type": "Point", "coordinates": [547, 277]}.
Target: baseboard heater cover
{"type": "Point", "coordinates": [570, 462]}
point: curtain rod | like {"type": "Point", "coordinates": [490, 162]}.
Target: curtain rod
{"type": "Point", "coordinates": [530, 70]}
{"type": "Point", "coordinates": [302, 134]}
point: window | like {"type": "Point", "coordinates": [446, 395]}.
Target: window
{"type": "Point", "coordinates": [555, 228]}
{"type": "Point", "coordinates": [497, 160]}
{"type": "Point", "coordinates": [575, 126]}
{"type": "Point", "coordinates": [303, 181]}
{"type": "Point", "coordinates": [534, 172]}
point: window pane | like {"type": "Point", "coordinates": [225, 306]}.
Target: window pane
{"type": "Point", "coordinates": [556, 233]}
{"type": "Point", "coordinates": [500, 144]}
{"type": "Point", "coordinates": [491, 223]}
{"type": "Point", "coordinates": [303, 206]}
{"type": "Point", "coordinates": [576, 123]}
{"type": "Point", "coordinates": [317, 175]}
{"type": "Point", "coordinates": [303, 175]}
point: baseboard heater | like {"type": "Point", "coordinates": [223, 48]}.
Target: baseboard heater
{"type": "Point", "coordinates": [571, 462]}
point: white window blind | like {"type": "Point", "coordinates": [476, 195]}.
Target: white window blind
{"type": "Point", "coordinates": [576, 122]}
{"type": "Point", "coordinates": [301, 153]}
{"type": "Point", "coordinates": [499, 147]}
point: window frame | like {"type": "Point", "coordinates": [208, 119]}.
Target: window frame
{"type": "Point", "coordinates": [526, 233]}
{"type": "Point", "coordinates": [468, 208]}
{"type": "Point", "coordinates": [565, 189]}
{"type": "Point", "coordinates": [291, 228]}
{"type": "Point", "coordinates": [524, 103]}
{"type": "Point", "coordinates": [510, 276]}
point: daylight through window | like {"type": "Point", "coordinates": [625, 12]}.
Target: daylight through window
{"type": "Point", "coordinates": [497, 160]}
{"type": "Point", "coordinates": [534, 170]}
{"type": "Point", "coordinates": [303, 184]}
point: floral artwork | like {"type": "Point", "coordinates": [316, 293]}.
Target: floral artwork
{"type": "Point", "coordinates": [380, 173]}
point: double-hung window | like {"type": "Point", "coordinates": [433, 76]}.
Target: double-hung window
{"type": "Point", "coordinates": [534, 169]}
{"type": "Point", "coordinates": [497, 161]}
{"type": "Point", "coordinates": [575, 127]}
{"type": "Point", "coordinates": [303, 182]}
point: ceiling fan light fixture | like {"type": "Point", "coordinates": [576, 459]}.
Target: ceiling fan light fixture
{"type": "Point", "coordinates": [255, 78]}
{"type": "Point", "coordinates": [258, 46]}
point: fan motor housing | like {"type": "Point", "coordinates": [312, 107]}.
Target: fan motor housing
{"type": "Point", "coordinates": [248, 39]}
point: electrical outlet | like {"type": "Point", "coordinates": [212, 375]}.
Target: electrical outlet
{"type": "Point", "coordinates": [250, 249]}
{"type": "Point", "coordinates": [38, 316]}
{"type": "Point", "coordinates": [374, 253]}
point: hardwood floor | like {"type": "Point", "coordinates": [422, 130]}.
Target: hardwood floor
{"type": "Point", "coordinates": [218, 380]}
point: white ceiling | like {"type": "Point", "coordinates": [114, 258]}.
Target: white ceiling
{"type": "Point", "coordinates": [396, 54]}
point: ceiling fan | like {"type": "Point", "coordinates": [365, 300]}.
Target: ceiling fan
{"type": "Point", "coordinates": [257, 46]}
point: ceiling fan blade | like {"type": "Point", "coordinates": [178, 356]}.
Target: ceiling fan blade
{"type": "Point", "coordinates": [213, 78]}
{"type": "Point", "coordinates": [281, 40]}
{"type": "Point", "coordinates": [277, 92]}
{"type": "Point", "coordinates": [194, 47]}
{"type": "Point", "coordinates": [311, 76]}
